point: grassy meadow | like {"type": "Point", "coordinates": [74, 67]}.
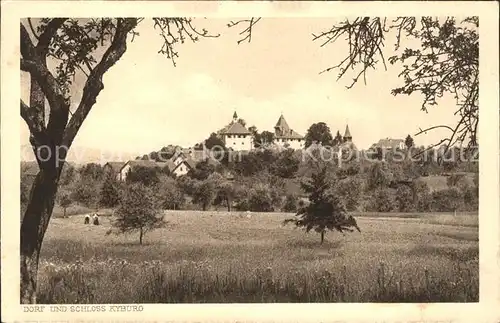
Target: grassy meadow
{"type": "Point", "coordinates": [213, 257]}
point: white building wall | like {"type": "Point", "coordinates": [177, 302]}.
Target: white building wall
{"type": "Point", "coordinates": [182, 169]}
{"type": "Point", "coordinates": [124, 172]}
{"type": "Point", "coordinates": [238, 142]}
{"type": "Point", "coordinates": [292, 143]}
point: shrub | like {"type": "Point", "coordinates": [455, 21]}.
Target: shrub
{"type": "Point", "coordinates": [381, 201]}
{"type": "Point", "coordinates": [290, 204]}
{"type": "Point", "coordinates": [447, 200]}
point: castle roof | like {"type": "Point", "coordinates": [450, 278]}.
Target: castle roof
{"type": "Point", "coordinates": [283, 130]}
{"type": "Point", "coordinates": [347, 133]}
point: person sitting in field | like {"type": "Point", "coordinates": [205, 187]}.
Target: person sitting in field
{"type": "Point", "coordinates": [87, 219]}
{"type": "Point", "coordinates": [95, 219]}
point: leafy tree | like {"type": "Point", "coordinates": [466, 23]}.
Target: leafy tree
{"type": "Point", "coordinates": [249, 165]}
{"type": "Point", "coordinates": [170, 194]}
{"type": "Point", "coordinates": [145, 175]}
{"type": "Point", "coordinates": [204, 193]}
{"type": "Point", "coordinates": [214, 141]}
{"type": "Point", "coordinates": [404, 198]}
{"type": "Point", "coordinates": [53, 51]}
{"type": "Point", "coordinates": [423, 195]}
{"type": "Point", "coordinates": [349, 191]}
{"type": "Point", "coordinates": [318, 133]}
{"type": "Point", "coordinates": [325, 211]}
{"type": "Point", "coordinates": [287, 164]}
{"type": "Point", "coordinates": [382, 201]}
{"type": "Point", "coordinates": [409, 142]}
{"type": "Point", "coordinates": [186, 184]}
{"type": "Point", "coordinates": [65, 201]}
{"type": "Point", "coordinates": [267, 137]}
{"type": "Point", "coordinates": [447, 200]}
{"type": "Point", "coordinates": [242, 122]}
{"type": "Point", "coordinates": [456, 180]}
{"type": "Point", "coordinates": [338, 139]}
{"type": "Point", "coordinates": [87, 193]}
{"type": "Point", "coordinates": [262, 198]}
{"type": "Point", "coordinates": [110, 192]}
{"type": "Point", "coordinates": [202, 170]}
{"type": "Point", "coordinates": [228, 192]}
{"type": "Point", "coordinates": [378, 176]}
{"type": "Point", "coordinates": [138, 211]}
{"type": "Point", "coordinates": [68, 174]}
{"type": "Point", "coordinates": [470, 197]}
{"type": "Point", "coordinates": [92, 172]}
{"type": "Point", "coordinates": [290, 204]}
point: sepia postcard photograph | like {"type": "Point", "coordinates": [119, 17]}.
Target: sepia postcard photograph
{"type": "Point", "coordinates": [252, 161]}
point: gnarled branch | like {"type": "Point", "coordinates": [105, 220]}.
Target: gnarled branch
{"type": "Point", "coordinates": [94, 84]}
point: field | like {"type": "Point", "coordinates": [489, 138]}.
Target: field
{"type": "Point", "coordinates": [220, 257]}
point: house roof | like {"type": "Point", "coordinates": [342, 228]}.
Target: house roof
{"type": "Point", "coordinates": [347, 133]}
{"type": "Point", "coordinates": [235, 128]}
{"type": "Point", "coordinates": [389, 142]}
{"type": "Point", "coordinates": [115, 166]}
{"type": "Point", "coordinates": [291, 134]}
{"type": "Point", "coordinates": [189, 162]}
{"type": "Point", "coordinates": [145, 163]}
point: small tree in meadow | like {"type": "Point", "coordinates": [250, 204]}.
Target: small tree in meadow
{"type": "Point", "coordinates": [65, 201]}
{"type": "Point", "coordinates": [138, 211]}
{"type": "Point", "coordinates": [325, 210]}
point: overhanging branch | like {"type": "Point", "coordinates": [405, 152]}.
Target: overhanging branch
{"type": "Point", "coordinates": [94, 84]}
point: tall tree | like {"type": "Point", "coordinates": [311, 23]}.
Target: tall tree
{"type": "Point", "coordinates": [319, 133]}
{"type": "Point", "coordinates": [110, 191]}
{"type": "Point", "coordinates": [338, 139]}
{"type": "Point", "coordinates": [409, 142]}
{"type": "Point", "coordinates": [87, 47]}
{"type": "Point", "coordinates": [325, 211]}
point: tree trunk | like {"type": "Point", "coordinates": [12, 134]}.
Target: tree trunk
{"type": "Point", "coordinates": [141, 233]}
{"type": "Point", "coordinates": [228, 202]}
{"type": "Point", "coordinates": [322, 236]}
{"type": "Point", "coordinates": [33, 228]}
{"type": "Point", "coordinates": [64, 212]}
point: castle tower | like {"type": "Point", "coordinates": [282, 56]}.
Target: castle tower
{"type": "Point", "coordinates": [347, 134]}
{"type": "Point", "coordinates": [235, 117]}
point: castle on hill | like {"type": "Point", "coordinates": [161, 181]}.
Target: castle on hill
{"type": "Point", "coordinates": [236, 136]}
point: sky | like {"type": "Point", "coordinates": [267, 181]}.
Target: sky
{"type": "Point", "coordinates": [147, 103]}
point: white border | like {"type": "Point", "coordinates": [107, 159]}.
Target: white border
{"type": "Point", "coordinates": [486, 310]}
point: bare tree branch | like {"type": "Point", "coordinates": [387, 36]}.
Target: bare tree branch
{"type": "Point", "coordinates": [248, 30]}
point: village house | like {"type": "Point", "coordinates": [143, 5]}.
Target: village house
{"type": "Point", "coordinates": [389, 143]}
{"type": "Point", "coordinates": [113, 168]}
{"type": "Point", "coordinates": [236, 136]}
{"type": "Point", "coordinates": [285, 137]}
{"type": "Point", "coordinates": [178, 165]}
